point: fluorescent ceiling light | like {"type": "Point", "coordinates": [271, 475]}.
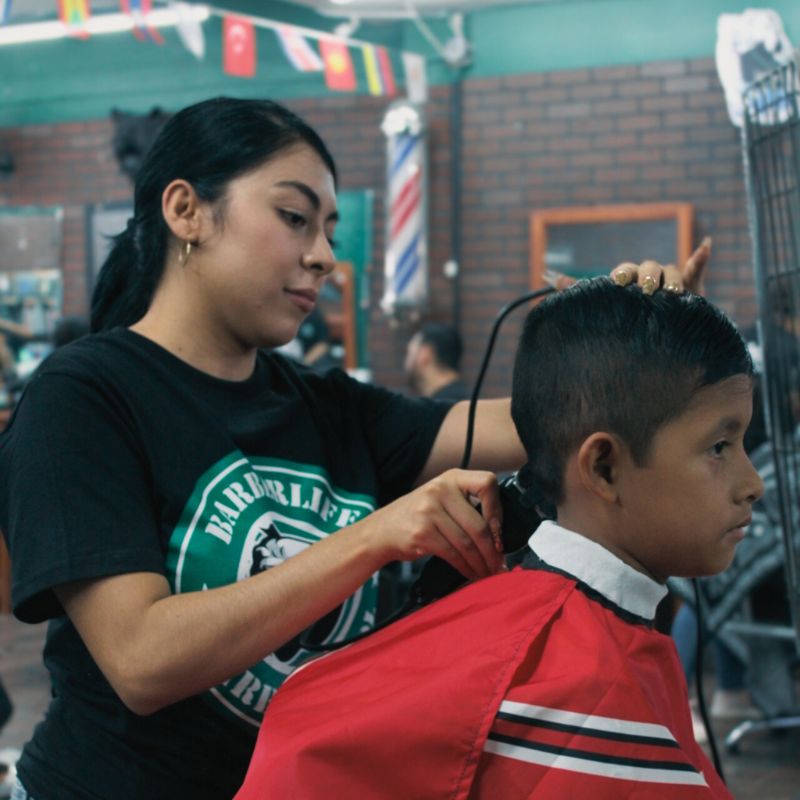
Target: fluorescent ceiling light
{"type": "Point", "coordinates": [105, 23]}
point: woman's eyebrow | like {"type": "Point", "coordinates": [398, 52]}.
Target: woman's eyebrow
{"type": "Point", "coordinates": [312, 196]}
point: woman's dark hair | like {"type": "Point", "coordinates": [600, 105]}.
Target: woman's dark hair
{"type": "Point", "coordinates": [600, 358]}
{"type": "Point", "coordinates": [208, 144]}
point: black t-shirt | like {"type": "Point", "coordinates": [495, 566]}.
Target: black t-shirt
{"type": "Point", "coordinates": [454, 391]}
{"type": "Point", "coordinates": [122, 458]}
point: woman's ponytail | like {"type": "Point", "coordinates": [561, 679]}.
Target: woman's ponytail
{"type": "Point", "coordinates": [122, 293]}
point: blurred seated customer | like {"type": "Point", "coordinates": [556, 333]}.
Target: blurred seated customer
{"type": "Point", "coordinates": [6, 402]}
{"type": "Point", "coordinates": [315, 339]}
{"type": "Point", "coordinates": [13, 336]}
{"type": "Point", "coordinates": [313, 345]}
{"type": "Point", "coordinates": [433, 358]}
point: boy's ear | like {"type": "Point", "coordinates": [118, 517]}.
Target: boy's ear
{"type": "Point", "coordinates": [598, 465]}
{"type": "Point", "coordinates": [182, 212]}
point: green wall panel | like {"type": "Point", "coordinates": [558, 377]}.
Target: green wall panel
{"type": "Point", "coordinates": [354, 237]}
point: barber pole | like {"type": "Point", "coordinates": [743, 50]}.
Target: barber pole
{"type": "Point", "coordinates": [406, 261]}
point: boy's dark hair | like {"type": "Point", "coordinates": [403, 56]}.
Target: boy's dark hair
{"type": "Point", "coordinates": [600, 358]}
{"type": "Point", "coordinates": [445, 342]}
{"type": "Point", "coordinates": [208, 144]}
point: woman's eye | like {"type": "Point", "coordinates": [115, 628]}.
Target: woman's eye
{"type": "Point", "coordinates": [292, 218]}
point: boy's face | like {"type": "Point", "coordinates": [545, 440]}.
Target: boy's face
{"type": "Point", "coordinates": [686, 509]}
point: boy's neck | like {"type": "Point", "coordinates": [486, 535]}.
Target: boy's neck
{"type": "Point", "coordinates": [601, 528]}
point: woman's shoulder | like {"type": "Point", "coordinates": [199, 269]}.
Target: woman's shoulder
{"type": "Point", "coordinates": [100, 354]}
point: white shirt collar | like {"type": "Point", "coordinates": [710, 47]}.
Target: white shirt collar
{"type": "Point", "coordinates": [598, 568]}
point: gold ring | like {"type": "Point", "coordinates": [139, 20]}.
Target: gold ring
{"type": "Point", "coordinates": [649, 284]}
{"type": "Point", "coordinates": [673, 287]}
{"type": "Point", "coordinates": [621, 277]}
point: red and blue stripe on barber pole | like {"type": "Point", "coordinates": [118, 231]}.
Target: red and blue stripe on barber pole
{"type": "Point", "coordinates": [406, 245]}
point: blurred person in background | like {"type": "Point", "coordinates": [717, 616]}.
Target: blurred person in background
{"type": "Point", "coordinates": [433, 359]}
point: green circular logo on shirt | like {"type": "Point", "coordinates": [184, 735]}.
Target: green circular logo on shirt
{"type": "Point", "coordinates": [246, 516]}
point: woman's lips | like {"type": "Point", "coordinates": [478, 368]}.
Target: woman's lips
{"type": "Point", "coordinates": [304, 299]}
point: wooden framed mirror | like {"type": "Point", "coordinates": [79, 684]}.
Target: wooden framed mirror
{"type": "Point", "coordinates": [585, 241]}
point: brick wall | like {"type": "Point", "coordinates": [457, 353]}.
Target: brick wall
{"type": "Point", "coordinates": [69, 165]}
{"type": "Point", "coordinates": [653, 132]}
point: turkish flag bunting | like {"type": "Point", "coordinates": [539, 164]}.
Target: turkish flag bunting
{"type": "Point", "coordinates": [340, 76]}
{"type": "Point", "coordinates": [239, 47]}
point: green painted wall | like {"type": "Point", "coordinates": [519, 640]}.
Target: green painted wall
{"type": "Point", "coordinates": [354, 237]}
{"type": "Point", "coordinates": [73, 79]}
{"type": "Point", "coordinates": [598, 33]}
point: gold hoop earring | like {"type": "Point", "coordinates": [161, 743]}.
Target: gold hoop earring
{"type": "Point", "coordinates": [184, 254]}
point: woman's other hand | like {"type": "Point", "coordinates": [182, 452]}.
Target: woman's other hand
{"type": "Point", "coordinates": [651, 276]}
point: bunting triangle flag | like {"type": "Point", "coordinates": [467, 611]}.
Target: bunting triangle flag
{"type": "Point", "coordinates": [239, 46]}
{"type": "Point", "coordinates": [378, 68]}
{"type": "Point", "coordinates": [374, 82]}
{"type": "Point", "coordinates": [416, 79]}
{"type": "Point", "coordinates": [387, 73]}
{"type": "Point", "coordinates": [190, 30]}
{"type": "Point", "coordinates": [74, 14]}
{"type": "Point", "coordinates": [340, 76]}
{"type": "Point", "coordinates": [138, 10]}
{"type": "Point", "coordinates": [5, 11]}
{"type": "Point", "coordinates": [298, 50]}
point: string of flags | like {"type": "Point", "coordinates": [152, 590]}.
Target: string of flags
{"type": "Point", "coordinates": [139, 9]}
{"type": "Point", "coordinates": [333, 55]}
{"type": "Point", "coordinates": [74, 13]}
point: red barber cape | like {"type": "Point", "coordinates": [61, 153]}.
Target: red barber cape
{"type": "Point", "coordinates": [517, 686]}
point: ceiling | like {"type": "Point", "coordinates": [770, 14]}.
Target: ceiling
{"type": "Point", "coordinates": [365, 9]}
{"type": "Point", "coordinates": [392, 9]}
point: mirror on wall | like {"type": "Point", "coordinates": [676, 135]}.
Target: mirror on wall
{"type": "Point", "coordinates": [586, 241]}
{"type": "Point", "coordinates": [30, 287]}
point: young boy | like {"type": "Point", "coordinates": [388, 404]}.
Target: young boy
{"type": "Point", "coordinates": [550, 682]}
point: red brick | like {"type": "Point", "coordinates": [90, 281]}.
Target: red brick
{"type": "Point", "coordinates": [616, 107]}
{"type": "Point", "coordinates": [639, 156]}
{"type": "Point", "coordinates": [663, 137]}
{"type": "Point", "coordinates": [640, 88]}
{"type": "Point", "coordinates": [615, 73]}
{"type": "Point", "coordinates": [568, 110]}
{"type": "Point", "coordinates": [695, 83]}
{"type": "Point", "coordinates": [592, 91]}
{"type": "Point", "coordinates": [640, 122]}
{"type": "Point", "coordinates": [664, 68]}
{"type": "Point", "coordinates": [663, 103]}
